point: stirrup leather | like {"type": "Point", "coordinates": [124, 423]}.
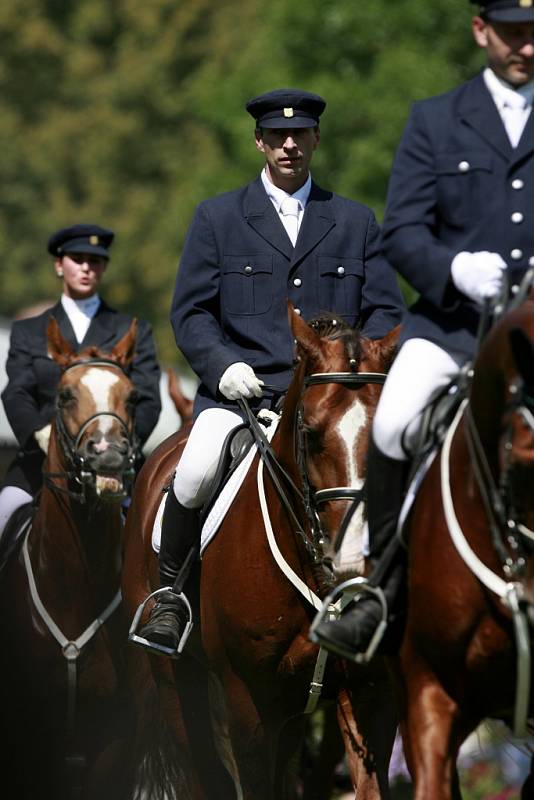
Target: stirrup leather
{"type": "Point", "coordinates": [154, 647]}
{"type": "Point", "coordinates": [353, 587]}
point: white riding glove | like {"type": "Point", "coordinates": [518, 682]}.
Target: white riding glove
{"type": "Point", "coordinates": [480, 275]}
{"type": "Point", "coordinates": [42, 437]}
{"type": "Point", "coordinates": [239, 381]}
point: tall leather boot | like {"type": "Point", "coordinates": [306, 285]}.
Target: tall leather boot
{"type": "Point", "coordinates": [180, 544]}
{"type": "Point", "coordinates": [351, 634]}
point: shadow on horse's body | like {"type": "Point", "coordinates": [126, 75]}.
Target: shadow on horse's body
{"type": "Point", "coordinates": [458, 660]}
{"type": "Point", "coordinates": [252, 655]}
{"type": "Point", "coordinates": [67, 721]}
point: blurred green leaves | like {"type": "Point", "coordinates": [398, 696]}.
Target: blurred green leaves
{"type": "Point", "coordinates": [128, 113]}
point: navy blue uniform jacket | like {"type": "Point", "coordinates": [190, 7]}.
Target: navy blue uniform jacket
{"type": "Point", "coordinates": [457, 184]}
{"type": "Point", "coordinates": [33, 377]}
{"type": "Point", "coordinates": [238, 269]}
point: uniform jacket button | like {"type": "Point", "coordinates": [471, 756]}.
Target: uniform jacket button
{"type": "Point", "coordinates": [516, 253]}
{"type": "Point", "coordinates": [517, 217]}
{"type": "Point", "coordinates": [464, 166]}
{"type": "Point", "coordinates": [341, 270]}
{"type": "Point", "coordinates": [248, 269]}
{"type": "Point", "coordinates": [297, 282]}
{"type": "Point", "coordinates": [517, 183]}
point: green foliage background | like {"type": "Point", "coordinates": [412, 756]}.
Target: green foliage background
{"type": "Point", "coordinates": [128, 113]}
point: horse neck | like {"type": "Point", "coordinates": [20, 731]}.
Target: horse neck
{"type": "Point", "coordinates": [86, 536]}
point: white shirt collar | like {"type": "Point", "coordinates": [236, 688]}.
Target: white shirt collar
{"type": "Point", "coordinates": [277, 195]}
{"type": "Point", "coordinates": [88, 307]}
{"type": "Point", "coordinates": [502, 92]}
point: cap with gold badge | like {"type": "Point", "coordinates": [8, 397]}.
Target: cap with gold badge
{"type": "Point", "coordinates": [286, 108]}
{"type": "Point", "coordinates": [81, 238]}
{"type": "Point", "coordinates": [506, 10]}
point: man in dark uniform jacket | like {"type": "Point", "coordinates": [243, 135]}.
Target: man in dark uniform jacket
{"type": "Point", "coordinates": [459, 218]}
{"type": "Point", "coordinates": [246, 253]}
{"type": "Point", "coordinates": [81, 254]}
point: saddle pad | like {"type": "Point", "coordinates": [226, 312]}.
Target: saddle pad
{"type": "Point", "coordinates": [223, 501]}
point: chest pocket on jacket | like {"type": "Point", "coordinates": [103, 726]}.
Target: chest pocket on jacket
{"type": "Point", "coordinates": [247, 284]}
{"type": "Point", "coordinates": [340, 288]}
{"type": "Point", "coordinates": [464, 184]}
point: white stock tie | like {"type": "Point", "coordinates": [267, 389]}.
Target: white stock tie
{"type": "Point", "coordinates": [290, 208]}
{"type": "Point", "coordinates": [514, 117]}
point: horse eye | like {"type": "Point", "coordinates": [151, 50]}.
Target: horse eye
{"type": "Point", "coordinates": [66, 396]}
{"type": "Point", "coordinates": [313, 439]}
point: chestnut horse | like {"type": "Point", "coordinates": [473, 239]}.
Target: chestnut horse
{"type": "Point", "coordinates": [466, 651]}
{"type": "Point", "coordinates": [66, 712]}
{"type": "Point", "coordinates": [251, 650]}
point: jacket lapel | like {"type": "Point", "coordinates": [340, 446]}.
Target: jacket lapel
{"type": "Point", "coordinates": [102, 328]}
{"type": "Point", "coordinates": [478, 110]}
{"type": "Point", "coordinates": [318, 220]}
{"type": "Point", "coordinates": [526, 143]}
{"type": "Point", "coordinates": [67, 331]}
{"type": "Point", "coordinates": [261, 215]}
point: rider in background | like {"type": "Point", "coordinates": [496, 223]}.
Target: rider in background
{"type": "Point", "coordinates": [81, 255]}
{"type": "Point", "coordinates": [460, 213]}
{"type": "Point", "coordinates": [245, 254]}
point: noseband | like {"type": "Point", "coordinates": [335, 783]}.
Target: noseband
{"type": "Point", "coordinates": [80, 472]}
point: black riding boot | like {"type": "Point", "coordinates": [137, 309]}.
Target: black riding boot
{"type": "Point", "coordinates": [351, 634]}
{"type": "Point", "coordinates": [180, 542]}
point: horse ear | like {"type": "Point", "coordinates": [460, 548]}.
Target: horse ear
{"type": "Point", "coordinates": [308, 342]}
{"type": "Point", "coordinates": [58, 347]}
{"type": "Point", "coordinates": [124, 350]}
{"type": "Point", "coordinates": [388, 346]}
{"type": "Point", "coordinates": [523, 353]}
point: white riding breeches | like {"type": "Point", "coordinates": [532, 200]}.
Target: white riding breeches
{"type": "Point", "coordinates": [420, 370]}
{"type": "Point", "coordinates": [11, 498]}
{"type": "Point", "coordinates": [198, 464]}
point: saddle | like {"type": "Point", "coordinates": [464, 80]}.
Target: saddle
{"type": "Point", "coordinates": [235, 447]}
{"type": "Point", "coordinates": [437, 417]}
{"type": "Point", "coordinates": [13, 532]}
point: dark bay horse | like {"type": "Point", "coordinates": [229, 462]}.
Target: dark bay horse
{"type": "Point", "coordinates": [66, 714]}
{"type": "Point", "coordinates": [466, 651]}
{"type": "Point", "coordinates": [251, 656]}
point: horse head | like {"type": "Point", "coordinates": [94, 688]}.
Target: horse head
{"type": "Point", "coordinates": [334, 396]}
{"type": "Point", "coordinates": [93, 431]}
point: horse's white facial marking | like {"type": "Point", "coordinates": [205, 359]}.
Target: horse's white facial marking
{"type": "Point", "coordinates": [349, 429]}
{"type": "Point", "coordinates": [99, 383]}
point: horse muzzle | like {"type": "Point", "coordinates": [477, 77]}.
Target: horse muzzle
{"type": "Point", "coordinates": [109, 465]}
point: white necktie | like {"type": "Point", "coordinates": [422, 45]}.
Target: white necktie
{"type": "Point", "coordinates": [515, 115]}
{"type": "Point", "coordinates": [290, 208]}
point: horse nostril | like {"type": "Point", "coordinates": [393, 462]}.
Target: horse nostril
{"type": "Point", "coordinates": [97, 446]}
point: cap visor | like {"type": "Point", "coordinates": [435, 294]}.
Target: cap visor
{"type": "Point", "coordinates": [94, 249]}
{"type": "Point", "coordinates": [511, 15]}
{"type": "Point", "coordinates": [288, 122]}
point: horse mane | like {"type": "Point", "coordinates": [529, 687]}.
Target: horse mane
{"type": "Point", "coordinates": [330, 326]}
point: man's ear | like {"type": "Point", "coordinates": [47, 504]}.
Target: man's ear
{"type": "Point", "coordinates": [479, 27]}
{"type": "Point", "coordinates": [258, 133]}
